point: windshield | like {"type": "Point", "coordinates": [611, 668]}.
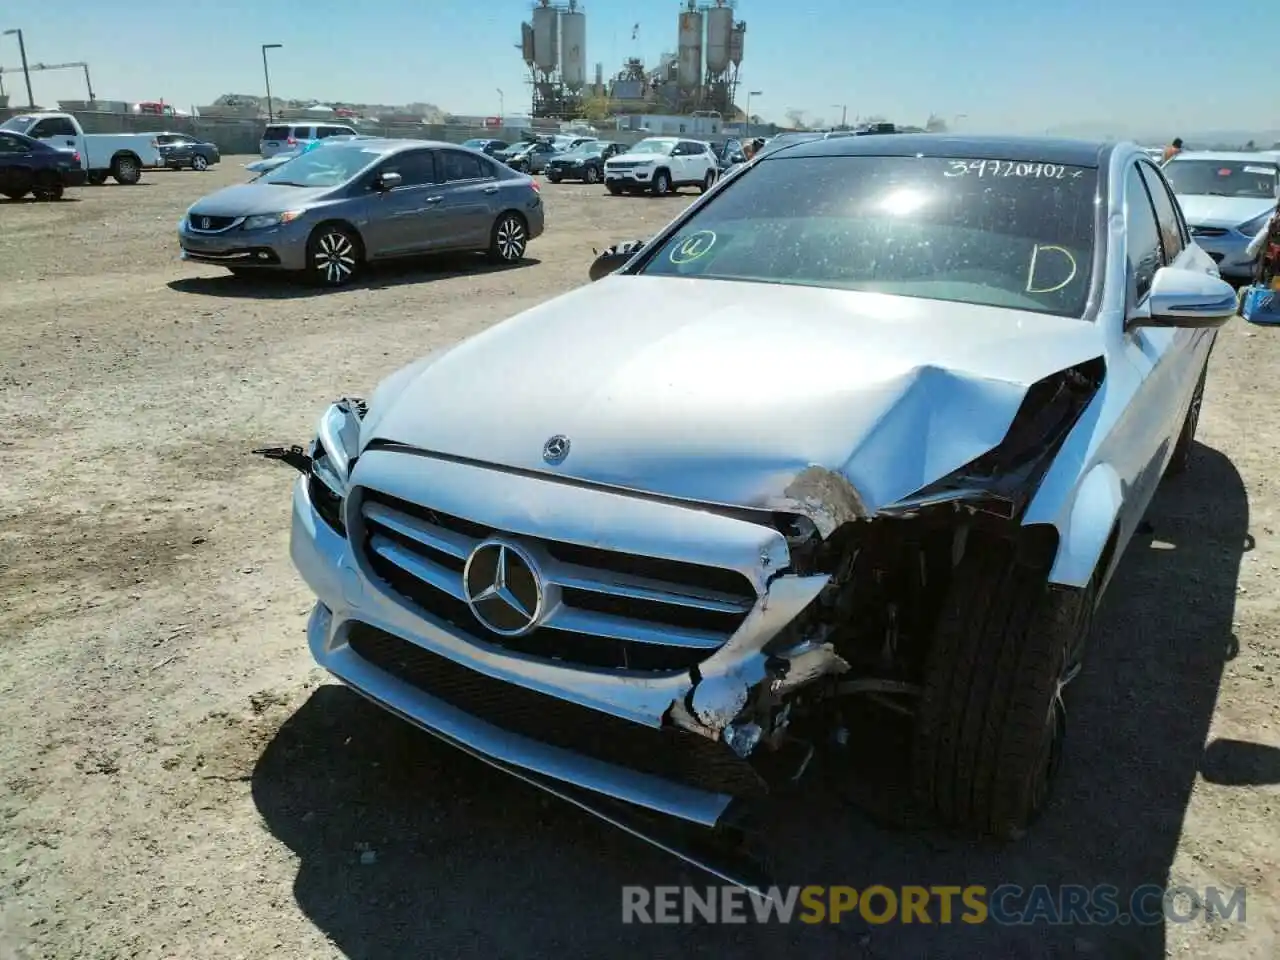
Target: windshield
{"type": "Point", "coordinates": [653, 145]}
{"type": "Point", "coordinates": [18, 124]}
{"type": "Point", "coordinates": [322, 168]}
{"type": "Point", "coordinates": [1222, 178]}
{"type": "Point", "coordinates": [993, 232]}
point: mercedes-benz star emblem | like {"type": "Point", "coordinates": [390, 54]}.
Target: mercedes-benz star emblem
{"type": "Point", "coordinates": [556, 449]}
{"type": "Point", "coordinates": [503, 588]}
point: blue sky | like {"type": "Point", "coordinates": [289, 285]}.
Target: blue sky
{"type": "Point", "coordinates": [1160, 65]}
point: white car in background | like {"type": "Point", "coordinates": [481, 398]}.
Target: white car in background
{"type": "Point", "coordinates": [1226, 199]}
{"type": "Point", "coordinates": [662, 165]}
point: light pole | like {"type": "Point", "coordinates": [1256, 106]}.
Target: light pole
{"type": "Point", "coordinates": [266, 74]}
{"type": "Point", "coordinates": [502, 107]}
{"type": "Point", "coordinates": [26, 74]}
{"type": "Point", "coordinates": [750, 94]}
{"type": "Point", "coordinates": [844, 113]}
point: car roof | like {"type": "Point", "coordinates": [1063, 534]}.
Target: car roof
{"type": "Point", "coordinates": [1076, 153]}
{"type": "Point", "coordinates": [1233, 156]}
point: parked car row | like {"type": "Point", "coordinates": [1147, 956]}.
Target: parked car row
{"type": "Point", "coordinates": [43, 153]}
{"type": "Point", "coordinates": [659, 592]}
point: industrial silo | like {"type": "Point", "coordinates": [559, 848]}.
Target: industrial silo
{"type": "Point", "coordinates": [735, 43]}
{"type": "Point", "coordinates": [546, 37]}
{"type": "Point", "coordinates": [719, 30]}
{"type": "Point", "coordinates": [689, 53]}
{"type": "Point", "coordinates": [573, 48]}
{"type": "Point", "coordinates": [526, 43]}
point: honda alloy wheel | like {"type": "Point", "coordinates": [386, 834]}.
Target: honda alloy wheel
{"type": "Point", "coordinates": [199, 163]}
{"type": "Point", "coordinates": [332, 256]}
{"type": "Point", "coordinates": [509, 240]}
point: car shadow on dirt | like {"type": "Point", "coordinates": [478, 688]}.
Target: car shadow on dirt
{"type": "Point", "coordinates": [408, 847]}
{"type": "Point", "coordinates": [271, 285]}
{"type": "Point", "coordinates": [28, 201]}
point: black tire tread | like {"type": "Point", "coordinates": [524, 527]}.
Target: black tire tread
{"type": "Point", "coordinates": [999, 649]}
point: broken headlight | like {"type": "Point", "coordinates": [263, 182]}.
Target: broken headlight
{"type": "Point", "coordinates": [333, 454]}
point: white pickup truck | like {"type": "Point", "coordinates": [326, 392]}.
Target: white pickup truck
{"type": "Point", "coordinates": [122, 156]}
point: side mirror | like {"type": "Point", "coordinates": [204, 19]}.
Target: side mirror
{"type": "Point", "coordinates": [614, 257]}
{"type": "Point", "coordinates": [1187, 299]}
{"type": "Point", "coordinates": [387, 181]}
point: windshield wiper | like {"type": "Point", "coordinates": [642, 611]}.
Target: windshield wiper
{"type": "Point", "coordinates": [284, 183]}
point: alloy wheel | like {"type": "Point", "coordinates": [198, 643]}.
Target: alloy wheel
{"type": "Point", "coordinates": [335, 258]}
{"type": "Point", "coordinates": [199, 163]}
{"type": "Point", "coordinates": [511, 239]}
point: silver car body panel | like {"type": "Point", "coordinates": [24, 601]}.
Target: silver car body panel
{"type": "Point", "coordinates": [688, 417]}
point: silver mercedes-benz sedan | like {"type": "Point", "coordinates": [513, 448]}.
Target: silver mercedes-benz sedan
{"type": "Point", "coordinates": [874, 420]}
{"type": "Point", "coordinates": [329, 211]}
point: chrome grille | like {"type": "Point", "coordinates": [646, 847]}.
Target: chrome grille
{"type": "Point", "coordinates": [616, 609]}
{"type": "Point", "coordinates": [622, 164]}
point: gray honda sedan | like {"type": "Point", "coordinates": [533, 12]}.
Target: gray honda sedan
{"type": "Point", "coordinates": [327, 212]}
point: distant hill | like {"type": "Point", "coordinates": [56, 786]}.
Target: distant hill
{"type": "Point", "coordinates": [241, 102]}
{"type": "Point", "coordinates": [1263, 139]}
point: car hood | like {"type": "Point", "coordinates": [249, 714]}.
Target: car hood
{"type": "Point", "coordinates": [638, 157]}
{"type": "Point", "coordinates": [1209, 211]}
{"type": "Point", "coordinates": [249, 199]}
{"type": "Point", "coordinates": [727, 392]}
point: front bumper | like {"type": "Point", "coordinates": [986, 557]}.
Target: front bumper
{"type": "Point", "coordinates": [628, 179]}
{"type": "Point", "coordinates": [608, 732]}
{"type": "Point", "coordinates": [278, 248]}
{"type": "Point", "coordinates": [578, 172]}
{"type": "Point", "coordinates": [1228, 249]}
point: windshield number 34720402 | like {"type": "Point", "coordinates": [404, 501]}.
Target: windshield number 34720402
{"type": "Point", "coordinates": [1011, 168]}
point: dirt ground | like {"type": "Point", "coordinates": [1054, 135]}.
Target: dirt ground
{"type": "Point", "coordinates": [180, 781]}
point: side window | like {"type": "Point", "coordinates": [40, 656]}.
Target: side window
{"type": "Point", "coordinates": [11, 145]}
{"type": "Point", "coordinates": [276, 133]}
{"type": "Point", "coordinates": [416, 167]}
{"type": "Point", "coordinates": [1142, 234]}
{"type": "Point", "coordinates": [1166, 213]}
{"type": "Point", "coordinates": [52, 127]}
{"type": "Point", "coordinates": [456, 165]}
{"type": "Point", "coordinates": [302, 133]}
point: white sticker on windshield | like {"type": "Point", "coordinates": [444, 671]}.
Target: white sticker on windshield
{"type": "Point", "coordinates": [1259, 169]}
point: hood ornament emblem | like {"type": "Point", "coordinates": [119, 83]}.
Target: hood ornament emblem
{"type": "Point", "coordinates": [556, 449]}
{"type": "Point", "coordinates": [205, 223]}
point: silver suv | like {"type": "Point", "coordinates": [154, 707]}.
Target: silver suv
{"type": "Point", "coordinates": [295, 136]}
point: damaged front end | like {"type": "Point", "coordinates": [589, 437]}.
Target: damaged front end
{"type": "Point", "coordinates": [885, 575]}
{"type": "Point", "coordinates": [838, 599]}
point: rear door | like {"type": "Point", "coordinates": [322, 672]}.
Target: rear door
{"type": "Point", "coordinates": [468, 186]}
{"type": "Point", "coordinates": [400, 221]}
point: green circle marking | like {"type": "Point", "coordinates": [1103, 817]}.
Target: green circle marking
{"type": "Point", "coordinates": [693, 247]}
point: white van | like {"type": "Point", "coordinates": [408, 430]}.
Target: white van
{"type": "Point", "coordinates": [295, 136]}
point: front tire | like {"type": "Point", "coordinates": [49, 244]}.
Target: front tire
{"type": "Point", "coordinates": [554, 177]}
{"type": "Point", "coordinates": [592, 175]}
{"type": "Point", "coordinates": [614, 189]}
{"type": "Point", "coordinates": [199, 164]}
{"type": "Point", "coordinates": [333, 256]}
{"type": "Point", "coordinates": [126, 169]}
{"type": "Point", "coordinates": [990, 729]}
{"type": "Point", "coordinates": [661, 183]}
{"type": "Point", "coordinates": [708, 181]}
{"type": "Point", "coordinates": [509, 239]}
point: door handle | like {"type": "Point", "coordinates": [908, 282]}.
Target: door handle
{"type": "Point", "coordinates": [433, 199]}
{"type": "Point", "coordinates": [490, 189]}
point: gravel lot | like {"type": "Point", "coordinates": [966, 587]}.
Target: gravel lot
{"type": "Point", "coordinates": [180, 781]}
